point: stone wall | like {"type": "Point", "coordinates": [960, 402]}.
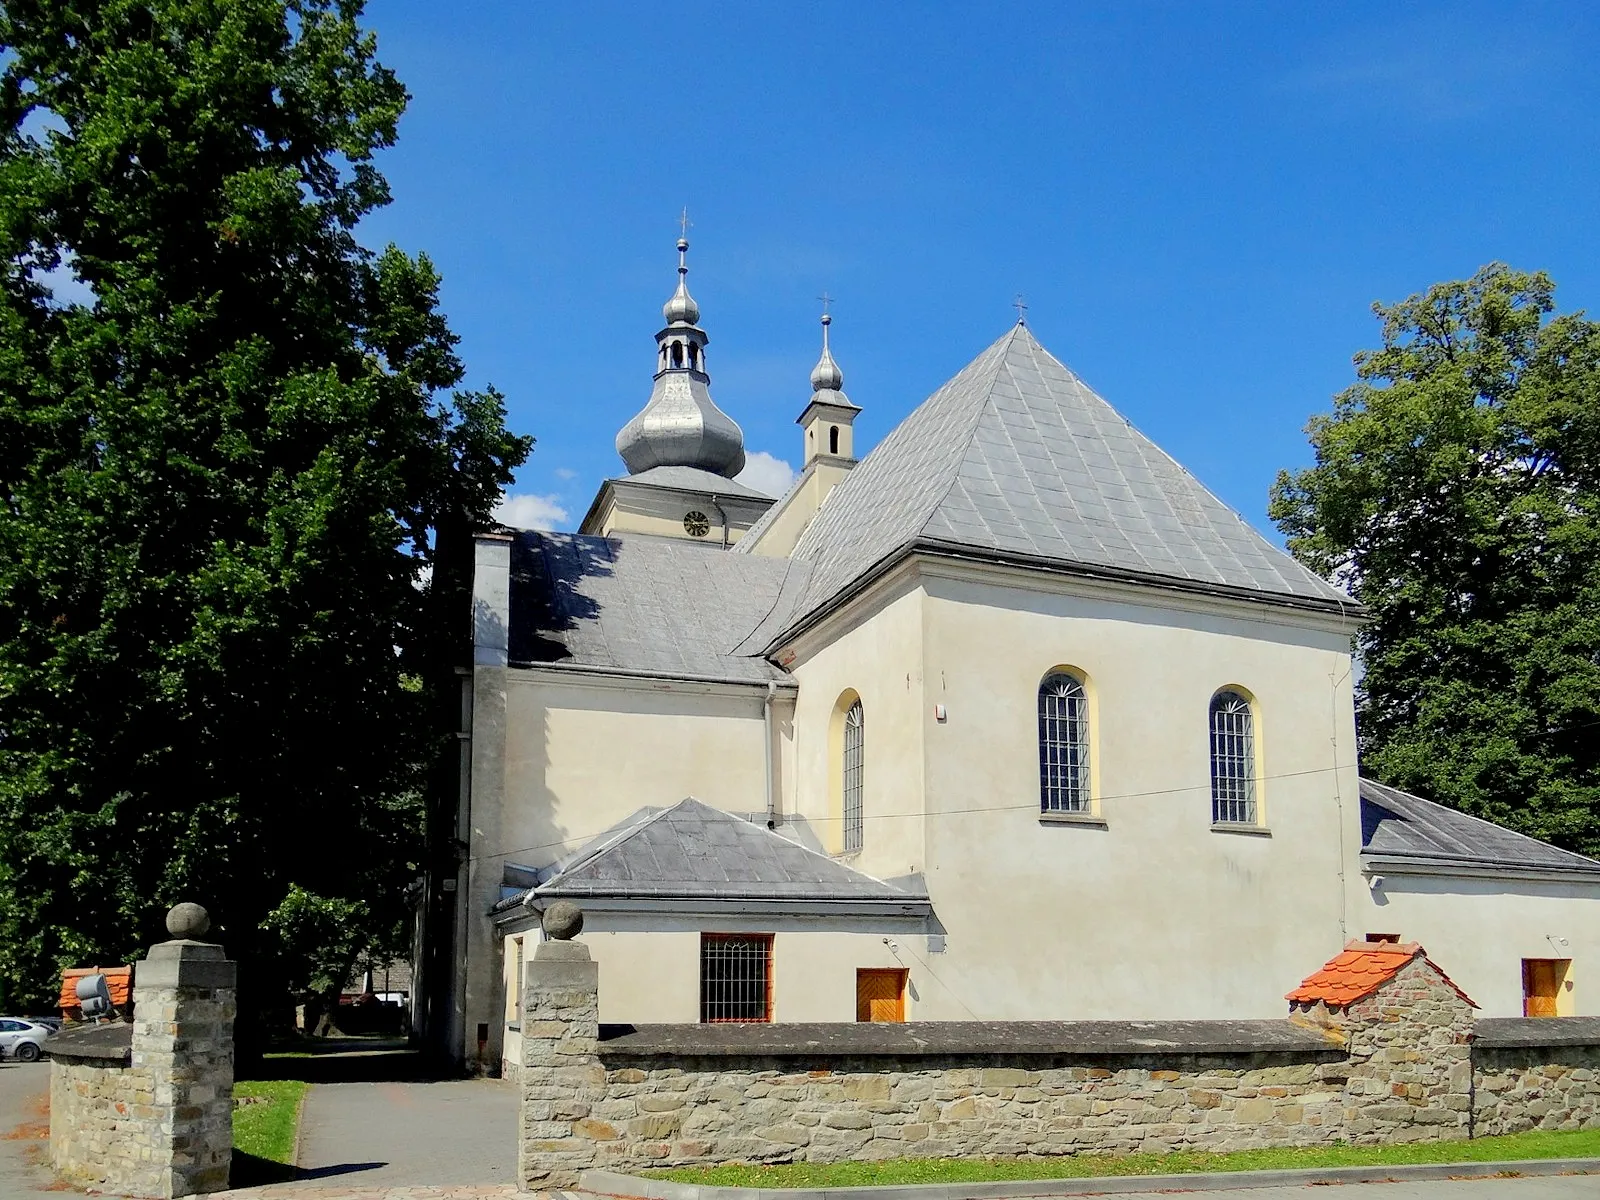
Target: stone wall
{"type": "Point", "coordinates": [147, 1109]}
{"type": "Point", "coordinates": [1536, 1087]}
{"type": "Point", "coordinates": [97, 1108]}
{"type": "Point", "coordinates": [1395, 1066]}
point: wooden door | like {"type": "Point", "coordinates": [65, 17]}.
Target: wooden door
{"type": "Point", "coordinates": [1541, 979]}
{"type": "Point", "coordinates": [881, 994]}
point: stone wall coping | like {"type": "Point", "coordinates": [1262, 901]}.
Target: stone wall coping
{"type": "Point", "coordinates": [634, 1187]}
{"type": "Point", "coordinates": [948, 1038]}
{"type": "Point", "coordinates": [1496, 1033]}
{"type": "Point", "coordinates": [109, 1045]}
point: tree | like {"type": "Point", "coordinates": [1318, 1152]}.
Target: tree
{"type": "Point", "coordinates": [236, 487]}
{"type": "Point", "coordinates": [1456, 493]}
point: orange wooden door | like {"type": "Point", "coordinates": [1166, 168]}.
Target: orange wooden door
{"type": "Point", "coordinates": [1540, 981]}
{"type": "Point", "coordinates": [881, 994]}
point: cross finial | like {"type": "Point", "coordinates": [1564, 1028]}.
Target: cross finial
{"type": "Point", "coordinates": [826, 300]}
{"type": "Point", "coordinates": [683, 223]}
{"type": "Point", "coordinates": [1021, 306]}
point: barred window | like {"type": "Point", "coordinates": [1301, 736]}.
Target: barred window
{"type": "Point", "coordinates": [1233, 760]}
{"type": "Point", "coordinates": [1063, 745]}
{"type": "Point", "coordinates": [735, 977]}
{"type": "Point", "coordinates": [854, 732]}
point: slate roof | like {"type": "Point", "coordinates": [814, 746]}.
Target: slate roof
{"type": "Point", "coordinates": [692, 851]}
{"type": "Point", "coordinates": [1016, 456]}
{"type": "Point", "coordinates": [644, 605]}
{"type": "Point", "coordinates": [1360, 969]}
{"type": "Point", "coordinates": [1399, 829]}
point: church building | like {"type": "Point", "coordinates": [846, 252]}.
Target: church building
{"type": "Point", "coordinates": [1008, 719]}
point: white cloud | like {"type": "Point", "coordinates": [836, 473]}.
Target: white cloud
{"type": "Point", "coordinates": [767, 474]}
{"type": "Point", "coordinates": [528, 511]}
{"type": "Point", "coordinates": [566, 474]}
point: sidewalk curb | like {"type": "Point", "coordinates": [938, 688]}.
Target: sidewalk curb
{"type": "Point", "coordinates": [633, 1187]}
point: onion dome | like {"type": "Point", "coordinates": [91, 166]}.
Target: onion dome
{"type": "Point", "coordinates": [681, 426]}
{"type": "Point", "coordinates": [826, 375]}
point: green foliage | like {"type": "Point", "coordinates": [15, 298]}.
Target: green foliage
{"type": "Point", "coordinates": [235, 484]}
{"type": "Point", "coordinates": [1456, 492]}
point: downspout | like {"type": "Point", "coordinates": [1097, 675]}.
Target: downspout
{"type": "Point", "coordinates": [724, 517]}
{"type": "Point", "coordinates": [766, 725]}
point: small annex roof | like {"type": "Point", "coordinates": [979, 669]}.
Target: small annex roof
{"type": "Point", "coordinates": [693, 852]}
{"type": "Point", "coordinates": [642, 605]}
{"type": "Point", "coordinates": [1399, 831]}
{"type": "Point", "coordinates": [1360, 969]}
{"type": "Point", "coordinates": [1016, 458]}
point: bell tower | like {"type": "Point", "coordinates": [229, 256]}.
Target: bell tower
{"type": "Point", "coordinates": [826, 424]}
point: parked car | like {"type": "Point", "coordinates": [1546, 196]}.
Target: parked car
{"type": "Point", "coordinates": [23, 1040]}
{"type": "Point", "coordinates": [51, 1023]}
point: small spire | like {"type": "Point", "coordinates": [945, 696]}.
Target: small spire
{"type": "Point", "coordinates": [826, 375]}
{"type": "Point", "coordinates": [681, 309]}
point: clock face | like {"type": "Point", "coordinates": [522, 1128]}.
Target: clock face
{"type": "Point", "coordinates": [696, 524]}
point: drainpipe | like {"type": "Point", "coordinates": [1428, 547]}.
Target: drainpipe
{"type": "Point", "coordinates": [766, 725]}
{"type": "Point", "coordinates": [724, 517]}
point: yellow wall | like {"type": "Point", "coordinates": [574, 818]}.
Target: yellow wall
{"type": "Point", "coordinates": [580, 757]}
{"type": "Point", "coordinates": [879, 658]}
{"type": "Point", "coordinates": [1156, 915]}
{"type": "Point", "coordinates": [1480, 930]}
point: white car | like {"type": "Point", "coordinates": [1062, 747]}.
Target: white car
{"type": "Point", "coordinates": [22, 1040]}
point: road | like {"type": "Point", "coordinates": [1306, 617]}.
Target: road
{"type": "Point", "coordinates": [25, 1132]}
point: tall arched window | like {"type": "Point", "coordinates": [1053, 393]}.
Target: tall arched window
{"type": "Point", "coordinates": [833, 439]}
{"type": "Point", "coordinates": [1233, 760]}
{"type": "Point", "coordinates": [854, 732]}
{"type": "Point", "coordinates": [1063, 745]}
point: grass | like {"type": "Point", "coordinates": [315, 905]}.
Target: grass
{"type": "Point", "coordinates": [266, 1130]}
{"type": "Point", "coordinates": [1513, 1147]}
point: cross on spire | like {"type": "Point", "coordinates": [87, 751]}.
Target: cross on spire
{"type": "Point", "coordinates": [684, 223]}
{"type": "Point", "coordinates": [1021, 306]}
{"type": "Point", "coordinates": [826, 300]}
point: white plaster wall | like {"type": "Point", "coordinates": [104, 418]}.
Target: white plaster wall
{"type": "Point", "coordinates": [1479, 930]}
{"type": "Point", "coordinates": [1156, 915]}
{"type": "Point", "coordinates": [880, 658]}
{"type": "Point", "coordinates": [654, 977]}
{"type": "Point", "coordinates": [581, 757]}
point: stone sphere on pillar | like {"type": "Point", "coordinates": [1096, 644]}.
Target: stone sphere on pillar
{"type": "Point", "coordinates": [188, 922]}
{"type": "Point", "coordinates": [563, 921]}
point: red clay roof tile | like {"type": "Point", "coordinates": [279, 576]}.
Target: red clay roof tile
{"type": "Point", "coordinates": [1360, 969]}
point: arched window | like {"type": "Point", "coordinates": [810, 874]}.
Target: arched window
{"type": "Point", "coordinates": [1063, 745]}
{"type": "Point", "coordinates": [833, 439]}
{"type": "Point", "coordinates": [1233, 760]}
{"type": "Point", "coordinates": [852, 764]}
{"type": "Point", "coordinates": [677, 354]}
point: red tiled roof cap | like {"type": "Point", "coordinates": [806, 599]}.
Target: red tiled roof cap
{"type": "Point", "coordinates": [119, 982]}
{"type": "Point", "coordinates": [1360, 969]}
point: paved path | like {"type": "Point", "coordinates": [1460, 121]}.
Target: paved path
{"type": "Point", "coordinates": [25, 1132]}
{"type": "Point", "coordinates": [450, 1133]}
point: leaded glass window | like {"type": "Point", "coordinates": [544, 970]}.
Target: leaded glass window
{"type": "Point", "coordinates": [1063, 745]}
{"type": "Point", "coordinates": [1233, 760]}
{"type": "Point", "coordinates": [853, 745]}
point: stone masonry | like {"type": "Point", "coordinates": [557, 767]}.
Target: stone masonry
{"type": "Point", "coordinates": [157, 1119]}
{"type": "Point", "coordinates": [1392, 1064]}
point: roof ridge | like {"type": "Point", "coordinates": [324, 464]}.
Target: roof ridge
{"type": "Point", "coordinates": [978, 410]}
{"type": "Point", "coordinates": [622, 835]}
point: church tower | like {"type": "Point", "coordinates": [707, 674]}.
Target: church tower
{"type": "Point", "coordinates": [681, 450]}
{"type": "Point", "coordinates": [827, 427]}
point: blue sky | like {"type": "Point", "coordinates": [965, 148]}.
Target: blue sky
{"type": "Point", "coordinates": [1199, 201]}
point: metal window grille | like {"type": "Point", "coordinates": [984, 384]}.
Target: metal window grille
{"type": "Point", "coordinates": [736, 977]}
{"type": "Point", "coordinates": [853, 815]}
{"type": "Point", "coordinates": [1233, 761]}
{"type": "Point", "coordinates": [1063, 745]}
